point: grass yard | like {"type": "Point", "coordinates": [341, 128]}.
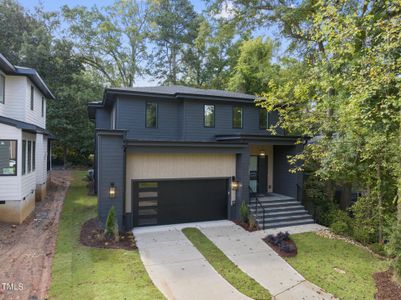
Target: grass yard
{"type": "Point", "coordinates": [322, 261]}
{"type": "Point", "coordinates": [225, 267]}
{"type": "Point", "coordinates": [80, 272]}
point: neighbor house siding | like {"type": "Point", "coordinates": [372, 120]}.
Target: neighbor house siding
{"type": "Point", "coordinates": [175, 166]}
{"type": "Point", "coordinates": [15, 97]}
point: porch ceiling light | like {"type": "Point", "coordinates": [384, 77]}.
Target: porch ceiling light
{"type": "Point", "coordinates": [262, 153]}
{"type": "Point", "coordinates": [112, 191]}
{"type": "Point", "coordinates": [235, 185]}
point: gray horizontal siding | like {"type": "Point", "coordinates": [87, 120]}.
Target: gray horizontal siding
{"type": "Point", "coordinates": [103, 119]}
{"type": "Point", "coordinates": [131, 116]}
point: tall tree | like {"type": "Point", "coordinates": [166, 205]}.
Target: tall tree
{"type": "Point", "coordinates": [174, 26]}
{"type": "Point", "coordinates": [254, 68]}
{"type": "Point", "coordinates": [111, 40]}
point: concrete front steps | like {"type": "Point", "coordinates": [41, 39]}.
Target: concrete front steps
{"type": "Point", "coordinates": [280, 211]}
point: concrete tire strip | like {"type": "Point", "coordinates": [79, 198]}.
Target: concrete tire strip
{"type": "Point", "coordinates": [259, 261]}
{"type": "Point", "coordinates": [177, 268]}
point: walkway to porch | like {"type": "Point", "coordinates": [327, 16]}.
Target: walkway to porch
{"type": "Point", "coordinates": [273, 210]}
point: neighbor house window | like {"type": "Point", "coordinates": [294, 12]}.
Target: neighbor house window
{"type": "Point", "coordinates": [23, 157]}
{"type": "Point", "coordinates": [32, 97]}
{"type": "Point", "coordinates": [33, 156]}
{"type": "Point", "coordinates": [263, 119]}
{"type": "Point", "coordinates": [43, 107]}
{"type": "Point", "coordinates": [8, 157]}
{"type": "Point", "coordinates": [29, 156]}
{"type": "Point", "coordinates": [151, 115]}
{"type": "Point", "coordinates": [208, 117]}
{"type": "Point", "coordinates": [237, 117]}
{"type": "Point", "coordinates": [2, 89]}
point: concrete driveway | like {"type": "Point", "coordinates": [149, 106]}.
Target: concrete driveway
{"type": "Point", "coordinates": [177, 268]}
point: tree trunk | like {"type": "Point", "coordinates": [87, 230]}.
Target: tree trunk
{"type": "Point", "coordinates": [379, 200]}
{"type": "Point", "coordinates": [64, 156]}
{"type": "Point", "coordinates": [346, 195]}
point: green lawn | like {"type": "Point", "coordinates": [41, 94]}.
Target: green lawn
{"type": "Point", "coordinates": [318, 257]}
{"type": "Point", "coordinates": [225, 267]}
{"type": "Point", "coordinates": [81, 272]}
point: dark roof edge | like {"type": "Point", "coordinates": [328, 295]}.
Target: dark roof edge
{"type": "Point", "coordinates": [32, 74]}
{"type": "Point", "coordinates": [25, 126]}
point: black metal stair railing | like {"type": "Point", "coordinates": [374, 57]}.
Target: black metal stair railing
{"type": "Point", "coordinates": [253, 195]}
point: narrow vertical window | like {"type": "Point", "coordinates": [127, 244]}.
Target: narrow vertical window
{"type": "Point", "coordinates": [263, 119]}
{"type": "Point", "coordinates": [2, 89]}
{"type": "Point", "coordinates": [43, 107]}
{"type": "Point", "coordinates": [208, 116]}
{"type": "Point", "coordinates": [32, 97]}
{"type": "Point", "coordinates": [29, 156]}
{"type": "Point", "coordinates": [23, 157]}
{"type": "Point", "coordinates": [237, 117]}
{"type": "Point", "coordinates": [151, 115]}
{"type": "Point", "coordinates": [33, 156]}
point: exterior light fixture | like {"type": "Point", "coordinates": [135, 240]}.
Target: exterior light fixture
{"type": "Point", "coordinates": [262, 153]}
{"type": "Point", "coordinates": [112, 191]}
{"type": "Point", "coordinates": [235, 185]}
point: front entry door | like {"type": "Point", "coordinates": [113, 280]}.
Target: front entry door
{"type": "Point", "coordinates": [258, 174]}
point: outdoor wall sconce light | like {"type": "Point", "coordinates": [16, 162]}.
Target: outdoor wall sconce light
{"type": "Point", "coordinates": [112, 191]}
{"type": "Point", "coordinates": [262, 153]}
{"type": "Point", "coordinates": [235, 185]}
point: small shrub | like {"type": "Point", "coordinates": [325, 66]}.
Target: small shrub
{"type": "Point", "coordinates": [244, 213]}
{"type": "Point", "coordinates": [278, 238]}
{"type": "Point", "coordinates": [393, 247]}
{"type": "Point", "coordinates": [111, 230]}
{"type": "Point", "coordinates": [252, 222]}
{"type": "Point", "coordinates": [378, 249]}
{"type": "Point", "coordinates": [340, 222]}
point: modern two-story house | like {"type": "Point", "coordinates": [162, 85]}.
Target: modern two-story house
{"type": "Point", "coordinates": [24, 141]}
{"type": "Point", "coordinates": [174, 154]}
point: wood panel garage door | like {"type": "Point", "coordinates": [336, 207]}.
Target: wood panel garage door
{"type": "Point", "coordinates": [179, 201]}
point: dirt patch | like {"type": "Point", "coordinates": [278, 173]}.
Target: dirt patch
{"type": "Point", "coordinates": [247, 227]}
{"type": "Point", "coordinates": [26, 250]}
{"type": "Point", "coordinates": [92, 236]}
{"type": "Point", "coordinates": [387, 288]}
{"type": "Point", "coordinates": [279, 251]}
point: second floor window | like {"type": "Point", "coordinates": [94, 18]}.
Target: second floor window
{"type": "Point", "coordinates": [151, 115]}
{"type": "Point", "coordinates": [43, 107]}
{"type": "Point", "coordinates": [32, 97]}
{"type": "Point", "coordinates": [263, 119]}
{"type": "Point", "coordinates": [2, 89]}
{"type": "Point", "coordinates": [237, 117]}
{"type": "Point", "coordinates": [208, 117]}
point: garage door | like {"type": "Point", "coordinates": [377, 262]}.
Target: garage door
{"type": "Point", "coordinates": [179, 201]}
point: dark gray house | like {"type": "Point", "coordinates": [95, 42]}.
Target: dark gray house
{"type": "Point", "coordinates": [176, 154]}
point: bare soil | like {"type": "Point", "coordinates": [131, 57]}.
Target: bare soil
{"type": "Point", "coordinates": [247, 226]}
{"type": "Point", "coordinates": [92, 236]}
{"type": "Point", "coordinates": [387, 288]}
{"type": "Point", "coordinates": [26, 250]}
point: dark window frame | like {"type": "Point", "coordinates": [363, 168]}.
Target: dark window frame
{"type": "Point", "coordinates": [266, 119]}
{"type": "Point", "coordinates": [24, 151]}
{"type": "Point", "coordinates": [156, 115]}
{"type": "Point", "coordinates": [3, 82]}
{"type": "Point", "coordinates": [43, 107]}
{"type": "Point", "coordinates": [29, 157]}
{"type": "Point", "coordinates": [214, 116]}
{"type": "Point", "coordinates": [33, 156]}
{"type": "Point", "coordinates": [233, 117]}
{"type": "Point", "coordinates": [32, 97]}
{"type": "Point", "coordinates": [16, 157]}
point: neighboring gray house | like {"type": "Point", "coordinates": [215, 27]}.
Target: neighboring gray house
{"type": "Point", "coordinates": [175, 154]}
{"type": "Point", "coordinates": [24, 141]}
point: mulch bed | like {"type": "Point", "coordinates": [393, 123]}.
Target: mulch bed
{"type": "Point", "coordinates": [91, 236]}
{"type": "Point", "coordinates": [281, 252]}
{"type": "Point", "coordinates": [387, 288]}
{"type": "Point", "coordinates": [246, 226]}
